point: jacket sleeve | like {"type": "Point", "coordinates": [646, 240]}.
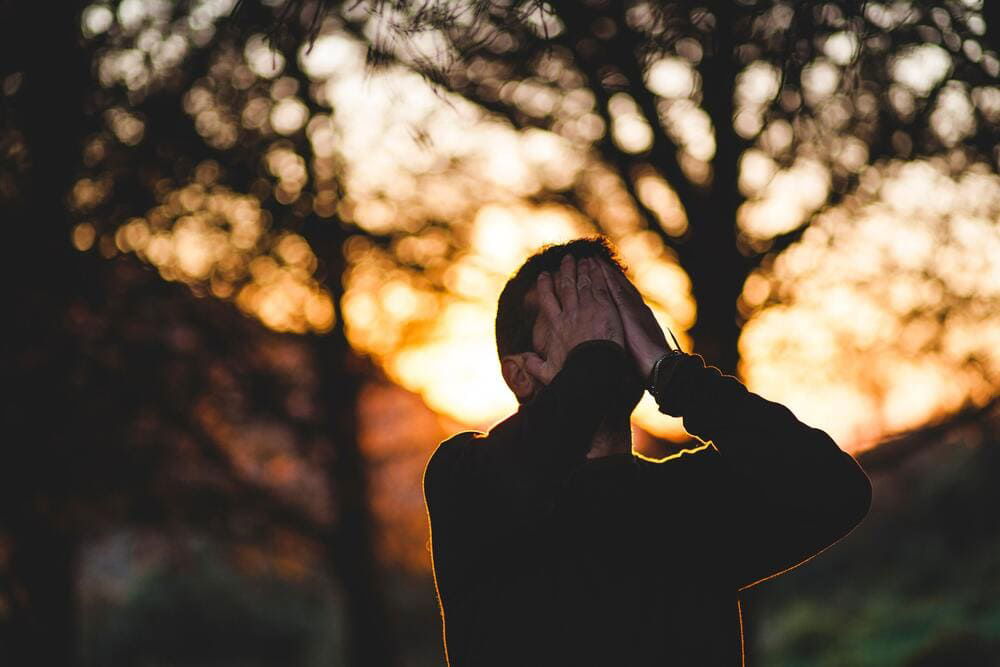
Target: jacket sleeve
{"type": "Point", "coordinates": [484, 490]}
{"type": "Point", "coordinates": [783, 491]}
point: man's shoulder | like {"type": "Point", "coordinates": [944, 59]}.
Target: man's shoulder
{"type": "Point", "coordinates": [461, 442]}
{"type": "Point", "coordinates": [449, 449]}
{"type": "Point", "coordinates": [444, 468]}
{"type": "Point", "coordinates": [463, 437]}
{"type": "Point", "coordinates": [461, 449]}
{"type": "Point", "coordinates": [458, 441]}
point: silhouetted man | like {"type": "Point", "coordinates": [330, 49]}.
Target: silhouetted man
{"type": "Point", "coordinates": [553, 544]}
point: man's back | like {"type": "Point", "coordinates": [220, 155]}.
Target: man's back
{"type": "Point", "coordinates": [542, 556]}
{"type": "Point", "coordinates": [622, 571]}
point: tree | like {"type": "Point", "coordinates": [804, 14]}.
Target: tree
{"type": "Point", "coordinates": [146, 131]}
{"type": "Point", "coordinates": [714, 98]}
{"type": "Point", "coordinates": [95, 138]}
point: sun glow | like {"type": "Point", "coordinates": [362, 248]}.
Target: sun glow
{"type": "Point", "coordinates": [882, 306]}
{"type": "Point", "coordinates": [210, 237]}
{"type": "Point", "coordinates": [440, 342]}
{"type": "Point", "coordinates": [851, 327]}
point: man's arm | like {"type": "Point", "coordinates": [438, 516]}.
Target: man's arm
{"type": "Point", "coordinates": [785, 490]}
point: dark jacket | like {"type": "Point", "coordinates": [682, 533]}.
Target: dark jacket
{"type": "Point", "coordinates": [544, 557]}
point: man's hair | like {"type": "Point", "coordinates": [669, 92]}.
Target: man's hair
{"type": "Point", "coordinates": [515, 321]}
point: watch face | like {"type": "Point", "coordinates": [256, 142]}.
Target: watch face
{"type": "Point", "coordinates": [665, 359]}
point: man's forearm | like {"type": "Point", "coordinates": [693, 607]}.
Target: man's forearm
{"type": "Point", "coordinates": [762, 440]}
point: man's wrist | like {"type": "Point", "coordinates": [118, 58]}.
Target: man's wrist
{"type": "Point", "coordinates": [662, 368]}
{"type": "Point", "coordinates": [648, 366]}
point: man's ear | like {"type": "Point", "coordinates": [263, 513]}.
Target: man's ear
{"type": "Point", "coordinates": [516, 375]}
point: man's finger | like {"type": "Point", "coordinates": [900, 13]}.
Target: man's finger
{"type": "Point", "coordinates": [600, 287]}
{"type": "Point", "coordinates": [614, 287]}
{"type": "Point", "coordinates": [566, 282]}
{"type": "Point", "coordinates": [622, 287]}
{"type": "Point", "coordinates": [536, 367]}
{"type": "Point", "coordinates": [548, 304]}
{"type": "Point", "coordinates": [584, 280]}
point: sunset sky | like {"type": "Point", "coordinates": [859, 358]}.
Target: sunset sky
{"type": "Point", "coordinates": [861, 328]}
{"type": "Point", "coordinates": [258, 247]}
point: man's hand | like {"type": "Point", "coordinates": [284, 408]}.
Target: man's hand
{"type": "Point", "coordinates": [574, 306]}
{"type": "Point", "coordinates": [644, 338]}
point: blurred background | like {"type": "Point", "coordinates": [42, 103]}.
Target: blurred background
{"type": "Point", "coordinates": [251, 260]}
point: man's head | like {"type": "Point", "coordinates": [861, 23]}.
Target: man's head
{"type": "Point", "coordinates": [517, 309]}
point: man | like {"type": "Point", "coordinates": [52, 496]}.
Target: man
{"type": "Point", "coordinates": [553, 544]}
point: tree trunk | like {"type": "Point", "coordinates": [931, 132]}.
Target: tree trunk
{"type": "Point", "coordinates": [45, 276]}
{"type": "Point", "coordinates": [711, 257]}
{"type": "Point", "coordinates": [43, 626]}
{"type": "Point", "coordinates": [717, 271]}
{"type": "Point", "coordinates": [341, 375]}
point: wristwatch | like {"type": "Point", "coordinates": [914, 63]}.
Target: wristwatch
{"type": "Point", "coordinates": [669, 359]}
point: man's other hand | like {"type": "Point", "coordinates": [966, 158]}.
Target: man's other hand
{"type": "Point", "coordinates": [644, 338]}
{"type": "Point", "coordinates": [575, 305]}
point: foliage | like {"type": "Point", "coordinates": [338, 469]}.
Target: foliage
{"type": "Point", "coordinates": [917, 583]}
{"type": "Point", "coordinates": [193, 607]}
{"type": "Point", "coordinates": [148, 134]}
{"type": "Point", "coordinates": [763, 112]}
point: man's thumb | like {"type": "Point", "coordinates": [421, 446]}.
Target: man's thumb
{"type": "Point", "coordinates": [536, 366]}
